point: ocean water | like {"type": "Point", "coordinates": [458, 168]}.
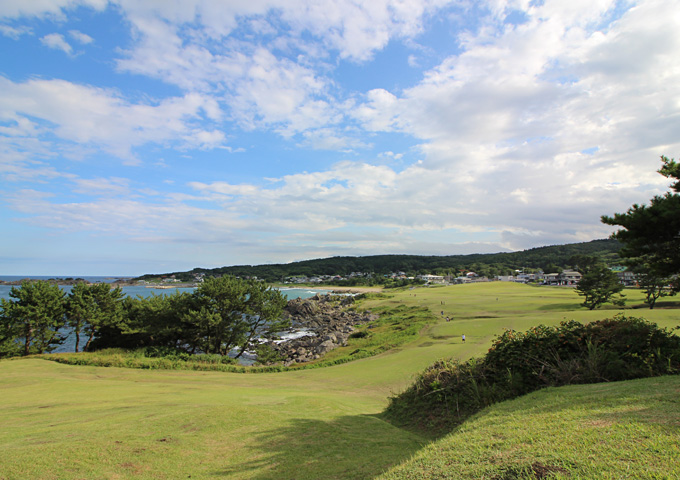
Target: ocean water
{"type": "Point", "coordinates": [93, 279]}
{"type": "Point", "coordinates": [132, 291]}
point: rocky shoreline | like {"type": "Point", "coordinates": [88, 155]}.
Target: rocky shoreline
{"type": "Point", "coordinates": [330, 319]}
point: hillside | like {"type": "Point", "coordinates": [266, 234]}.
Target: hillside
{"type": "Point", "coordinates": [614, 430]}
{"type": "Point", "coordinates": [546, 258]}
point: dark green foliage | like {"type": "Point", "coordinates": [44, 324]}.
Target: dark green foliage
{"type": "Point", "coordinates": [620, 348]}
{"type": "Point", "coordinates": [90, 307]}
{"type": "Point", "coordinates": [151, 321]}
{"type": "Point", "coordinates": [394, 327]}
{"type": "Point", "coordinates": [402, 283]}
{"type": "Point", "coordinates": [654, 284]}
{"type": "Point", "coordinates": [220, 315]}
{"type": "Point", "coordinates": [228, 312]}
{"type": "Point", "coordinates": [549, 259]}
{"type": "Point", "coordinates": [359, 334]}
{"type": "Point", "coordinates": [649, 233]}
{"type": "Point", "coordinates": [267, 355]}
{"type": "Point", "coordinates": [29, 323]}
{"type": "Point", "coordinates": [599, 285]}
{"type": "Point", "coordinates": [166, 352]}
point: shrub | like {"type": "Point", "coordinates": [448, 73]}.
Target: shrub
{"type": "Point", "coordinates": [166, 352]}
{"type": "Point", "coordinates": [213, 359]}
{"type": "Point", "coordinates": [517, 363]}
{"type": "Point", "coordinates": [359, 334]}
{"type": "Point", "coordinates": [267, 355]}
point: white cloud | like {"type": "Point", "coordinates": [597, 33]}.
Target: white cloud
{"type": "Point", "coordinates": [57, 41]}
{"type": "Point", "coordinates": [355, 29]}
{"type": "Point", "coordinates": [103, 119]}
{"type": "Point", "coordinates": [272, 80]}
{"type": "Point", "coordinates": [43, 8]}
{"type": "Point", "coordinates": [102, 186]}
{"type": "Point", "coordinates": [508, 112]}
{"type": "Point", "coordinates": [330, 139]}
{"type": "Point", "coordinates": [80, 37]}
{"type": "Point", "coordinates": [15, 32]}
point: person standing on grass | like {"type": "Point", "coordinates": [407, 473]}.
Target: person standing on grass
{"type": "Point", "coordinates": [463, 338]}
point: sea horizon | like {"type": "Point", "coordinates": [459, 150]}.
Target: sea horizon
{"type": "Point", "coordinates": [89, 278]}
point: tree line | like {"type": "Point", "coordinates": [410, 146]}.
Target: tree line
{"type": "Point", "coordinates": [549, 259]}
{"type": "Point", "coordinates": [222, 315]}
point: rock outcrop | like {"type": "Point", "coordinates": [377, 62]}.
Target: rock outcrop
{"type": "Point", "coordinates": [330, 319]}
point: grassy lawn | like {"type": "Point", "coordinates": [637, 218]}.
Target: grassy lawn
{"type": "Point", "coordinates": [61, 421]}
{"type": "Point", "coordinates": [481, 311]}
{"type": "Point", "coordinates": [603, 431]}
{"type": "Point", "coordinates": [72, 422]}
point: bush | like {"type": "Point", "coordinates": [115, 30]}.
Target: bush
{"type": "Point", "coordinates": [267, 355]}
{"type": "Point", "coordinates": [166, 352]}
{"type": "Point", "coordinates": [359, 334]}
{"type": "Point", "coordinates": [517, 363]}
{"type": "Point", "coordinates": [213, 359]}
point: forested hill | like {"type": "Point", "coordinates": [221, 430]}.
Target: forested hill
{"type": "Point", "coordinates": [549, 259]}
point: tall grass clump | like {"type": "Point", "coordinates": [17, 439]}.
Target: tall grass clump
{"type": "Point", "coordinates": [619, 348]}
{"type": "Point", "coordinates": [152, 358]}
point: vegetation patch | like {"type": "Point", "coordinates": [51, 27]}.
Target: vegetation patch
{"type": "Point", "coordinates": [620, 348]}
{"type": "Point", "coordinates": [394, 327]}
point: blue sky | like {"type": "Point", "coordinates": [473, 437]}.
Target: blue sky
{"type": "Point", "coordinates": [142, 136]}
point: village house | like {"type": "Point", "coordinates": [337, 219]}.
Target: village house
{"type": "Point", "coordinates": [570, 277]}
{"type": "Point", "coordinates": [530, 277]}
{"type": "Point", "coordinates": [505, 278]}
{"type": "Point", "coordinates": [438, 279]}
{"type": "Point", "coordinates": [626, 277]}
{"type": "Point", "coordinates": [567, 277]}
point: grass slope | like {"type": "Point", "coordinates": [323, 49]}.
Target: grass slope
{"type": "Point", "coordinates": [61, 422]}
{"type": "Point", "coordinates": [72, 422]}
{"type": "Point", "coordinates": [604, 431]}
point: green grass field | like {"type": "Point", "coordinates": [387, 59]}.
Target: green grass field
{"type": "Point", "coordinates": [603, 431]}
{"type": "Point", "coordinates": [79, 422]}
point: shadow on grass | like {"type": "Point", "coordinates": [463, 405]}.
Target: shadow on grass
{"type": "Point", "coordinates": [559, 306]}
{"type": "Point", "coordinates": [350, 447]}
{"type": "Point", "coordinates": [660, 305]}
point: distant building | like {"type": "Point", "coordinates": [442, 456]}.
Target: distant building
{"type": "Point", "coordinates": [505, 278]}
{"type": "Point", "coordinates": [567, 277]}
{"type": "Point", "coordinates": [439, 279]}
{"type": "Point", "coordinates": [626, 277]}
{"type": "Point", "coordinates": [570, 277]}
{"type": "Point", "coordinates": [530, 277]}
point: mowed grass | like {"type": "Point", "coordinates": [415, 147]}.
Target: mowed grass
{"type": "Point", "coordinates": [620, 430]}
{"type": "Point", "coordinates": [482, 311]}
{"type": "Point", "coordinates": [62, 421]}
{"type": "Point", "coordinates": [73, 422]}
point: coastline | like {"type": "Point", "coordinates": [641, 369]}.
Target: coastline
{"type": "Point", "coordinates": [124, 282]}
